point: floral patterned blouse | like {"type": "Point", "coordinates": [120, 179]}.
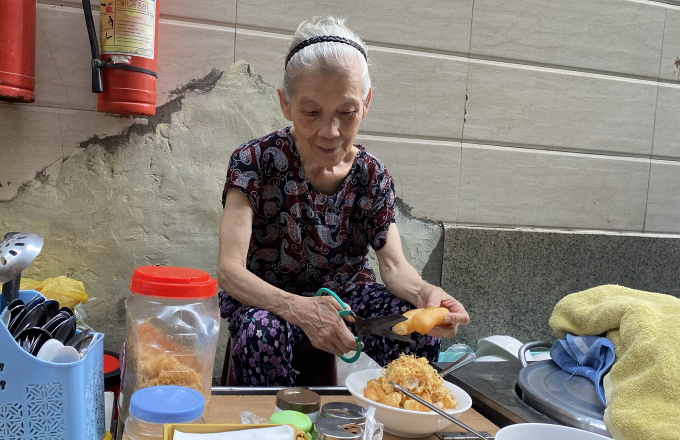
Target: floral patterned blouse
{"type": "Point", "coordinates": [303, 240]}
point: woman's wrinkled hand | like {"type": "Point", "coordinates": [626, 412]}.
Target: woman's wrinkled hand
{"type": "Point", "coordinates": [433, 296]}
{"type": "Point", "coordinates": [319, 319]}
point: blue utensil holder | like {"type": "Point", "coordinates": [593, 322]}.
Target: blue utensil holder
{"type": "Point", "coordinates": [45, 401]}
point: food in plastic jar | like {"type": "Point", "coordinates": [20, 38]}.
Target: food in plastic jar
{"type": "Point", "coordinates": [151, 407]}
{"type": "Point", "coordinates": [173, 322]}
{"type": "Point", "coordinates": [299, 399]}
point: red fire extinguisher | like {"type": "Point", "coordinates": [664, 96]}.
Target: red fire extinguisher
{"type": "Point", "coordinates": [124, 60]}
{"type": "Point", "coordinates": [17, 50]}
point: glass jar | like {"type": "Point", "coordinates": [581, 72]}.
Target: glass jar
{"type": "Point", "coordinates": [152, 407]}
{"type": "Point", "coordinates": [173, 322]}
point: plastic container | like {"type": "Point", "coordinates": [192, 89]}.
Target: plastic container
{"type": "Point", "coordinates": [40, 400]}
{"type": "Point", "coordinates": [301, 400]}
{"type": "Point", "coordinates": [288, 417]}
{"type": "Point", "coordinates": [173, 322]}
{"type": "Point", "coordinates": [152, 407]}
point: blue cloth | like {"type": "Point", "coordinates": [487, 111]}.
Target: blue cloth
{"type": "Point", "coordinates": [589, 356]}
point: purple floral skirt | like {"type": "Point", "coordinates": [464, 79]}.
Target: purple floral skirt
{"type": "Point", "coordinates": [263, 351]}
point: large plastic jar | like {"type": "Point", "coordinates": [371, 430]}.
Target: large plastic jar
{"type": "Point", "coordinates": [152, 407]}
{"type": "Point", "coordinates": [173, 322]}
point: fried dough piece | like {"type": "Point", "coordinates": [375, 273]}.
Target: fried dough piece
{"type": "Point", "coordinates": [406, 327]}
{"type": "Point", "coordinates": [412, 405]}
{"type": "Point", "coordinates": [392, 399]}
{"type": "Point", "coordinates": [428, 319]}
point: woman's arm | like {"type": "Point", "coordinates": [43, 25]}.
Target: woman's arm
{"type": "Point", "coordinates": [317, 316]}
{"type": "Point", "coordinates": [403, 281]}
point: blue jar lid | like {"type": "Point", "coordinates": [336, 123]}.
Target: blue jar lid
{"type": "Point", "coordinates": [167, 404]}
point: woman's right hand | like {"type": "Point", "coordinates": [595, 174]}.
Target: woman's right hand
{"type": "Point", "coordinates": [319, 319]}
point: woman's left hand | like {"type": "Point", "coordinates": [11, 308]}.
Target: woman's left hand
{"type": "Point", "coordinates": [433, 296]}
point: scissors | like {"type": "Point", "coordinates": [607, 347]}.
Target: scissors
{"type": "Point", "coordinates": [373, 326]}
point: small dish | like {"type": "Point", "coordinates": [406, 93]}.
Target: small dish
{"type": "Point", "coordinates": [38, 299]}
{"type": "Point", "coordinates": [48, 349]}
{"type": "Point", "coordinates": [65, 355]}
{"type": "Point", "coordinates": [542, 431]}
{"type": "Point", "coordinates": [53, 323]}
{"type": "Point", "coordinates": [65, 330]}
{"type": "Point", "coordinates": [36, 317]}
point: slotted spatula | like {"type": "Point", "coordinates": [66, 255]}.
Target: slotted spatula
{"type": "Point", "coordinates": [17, 251]}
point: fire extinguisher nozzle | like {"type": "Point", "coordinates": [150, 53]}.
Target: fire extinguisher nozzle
{"type": "Point", "coordinates": [97, 86]}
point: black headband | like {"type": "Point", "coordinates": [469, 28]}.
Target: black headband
{"type": "Point", "coordinates": [321, 39]}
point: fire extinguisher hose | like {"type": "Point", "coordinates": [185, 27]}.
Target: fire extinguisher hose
{"type": "Point", "coordinates": [97, 65]}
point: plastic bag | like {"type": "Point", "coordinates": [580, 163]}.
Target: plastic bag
{"type": "Point", "coordinates": [454, 352]}
{"type": "Point", "coordinates": [67, 291]}
{"type": "Point", "coordinates": [344, 369]}
{"type": "Point", "coordinates": [250, 418]}
{"type": "Point", "coordinates": [373, 429]}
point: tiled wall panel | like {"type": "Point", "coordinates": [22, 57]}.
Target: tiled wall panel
{"type": "Point", "coordinates": [602, 35]}
{"type": "Point", "coordinates": [412, 94]}
{"type": "Point", "coordinates": [186, 51]}
{"type": "Point", "coordinates": [509, 186]}
{"type": "Point", "coordinates": [663, 208]}
{"type": "Point", "coordinates": [557, 110]}
{"type": "Point", "coordinates": [207, 11]}
{"type": "Point", "coordinates": [670, 61]}
{"type": "Point", "coordinates": [667, 125]}
{"type": "Point", "coordinates": [425, 173]}
{"type": "Point", "coordinates": [431, 24]}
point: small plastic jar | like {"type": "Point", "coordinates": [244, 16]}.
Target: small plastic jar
{"type": "Point", "coordinates": [173, 321]}
{"type": "Point", "coordinates": [347, 413]}
{"type": "Point", "coordinates": [301, 400]}
{"type": "Point", "coordinates": [151, 407]}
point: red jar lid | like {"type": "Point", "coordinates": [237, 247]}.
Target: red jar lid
{"type": "Point", "coordinates": [111, 369]}
{"type": "Point", "coordinates": [173, 282]}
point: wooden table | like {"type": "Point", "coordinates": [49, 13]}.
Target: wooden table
{"type": "Point", "coordinates": [226, 409]}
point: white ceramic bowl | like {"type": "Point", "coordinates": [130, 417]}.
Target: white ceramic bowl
{"type": "Point", "coordinates": [402, 422]}
{"type": "Point", "coordinates": [541, 431]}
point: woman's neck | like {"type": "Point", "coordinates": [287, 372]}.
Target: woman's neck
{"type": "Point", "coordinates": [327, 180]}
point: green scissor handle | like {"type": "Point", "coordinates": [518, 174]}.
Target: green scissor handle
{"type": "Point", "coordinates": [345, 312]}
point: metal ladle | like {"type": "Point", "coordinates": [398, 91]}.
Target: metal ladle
{"type": "Point", "coordinates": [17, 252]}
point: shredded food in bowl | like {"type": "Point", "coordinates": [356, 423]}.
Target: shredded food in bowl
{"type": "Point", "coordinates": [416, 375]}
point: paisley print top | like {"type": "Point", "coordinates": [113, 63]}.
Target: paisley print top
{"type": "Point", "coordinates": [303, 240]}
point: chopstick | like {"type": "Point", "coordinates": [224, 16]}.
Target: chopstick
{"type": "Point", "coordinates": [438, 411]}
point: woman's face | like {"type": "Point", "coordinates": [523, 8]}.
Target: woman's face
{"type": "Point", "coordinates": [326, 110]}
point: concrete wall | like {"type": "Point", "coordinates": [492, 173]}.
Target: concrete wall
{"type": "Point", "coordinates": [517, 113]}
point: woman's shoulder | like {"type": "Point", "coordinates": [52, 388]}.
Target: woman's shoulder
{"type": "Point", "coordinates": [252, 151]}
{"type": "Point", "coordinates": [371, 165]}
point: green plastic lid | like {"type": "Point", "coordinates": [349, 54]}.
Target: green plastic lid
{"type": "Point", "coordinates": [288, 417]}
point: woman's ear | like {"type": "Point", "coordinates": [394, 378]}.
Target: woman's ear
{"type": "Point", "coordinates": [368, 101]}
{"type": "Point", "coordinates": [285, 105]}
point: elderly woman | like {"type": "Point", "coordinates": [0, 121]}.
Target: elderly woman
{"type": "Point", "coordinates": [302, 205]}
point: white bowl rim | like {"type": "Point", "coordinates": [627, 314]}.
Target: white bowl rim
{"type": "Point", "coordinates": [561, 428]}
{"type": "Point", "coordinates": [429, 412]}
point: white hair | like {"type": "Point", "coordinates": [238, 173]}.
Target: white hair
{"type": "Point", "coordinates": [326, 56]}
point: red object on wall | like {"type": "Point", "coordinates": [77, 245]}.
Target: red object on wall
{"type": "Point", "coordinates": [17, 50]}
{"type": "Point", "coordinates": [129, 92]}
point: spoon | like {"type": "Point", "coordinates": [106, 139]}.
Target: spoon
{"type": "Point", "coordinates": [75, 340]}
{"type": "Point", "coordinates": [463, 360]}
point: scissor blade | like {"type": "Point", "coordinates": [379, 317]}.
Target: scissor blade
{"type": "Point", "coordinates": [369, 326]}
{"type": "Point", "coordinates": [390, 334]}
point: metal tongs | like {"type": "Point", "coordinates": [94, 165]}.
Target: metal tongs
{"type": "Point", "coordinates": [442, 413]}
{"type": "Point", "coordinates": [372, 326]}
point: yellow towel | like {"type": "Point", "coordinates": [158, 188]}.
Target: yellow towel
{"type": "Point", "coordinates": [643, 387]}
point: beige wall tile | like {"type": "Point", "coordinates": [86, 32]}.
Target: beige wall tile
{"type": "Point", "coordinates": [670, 61]}
{"type": "Point", "coordinates": [663, 207]}
{"type": "Point", "coordinates": [186, 51]}
{"type": "Point", "coordinates": [412, 94]}
{"type": "Point", "coordinates": [30, 141]}
{"type": "Point", "coordinates": [266, 53]}
{"type": "Point", "coordinates": [562, 111]}
{"type": "Point", "coordinates": [425, 173]}
{"type": "Point", "coordinates": [667, 124]}
{"type": "Point", "coordinates": [417, 95]}
{"type": "Point", "coordinates": [216, 11]}
{"type": "Point", "coordinates": [508, 186]}
{"type": "Point", "coordinates": [49, 88]}
{"type": "Point", "coordinates": [603, 35]}
{"type": "Point", "coordinates": [441, 25]}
